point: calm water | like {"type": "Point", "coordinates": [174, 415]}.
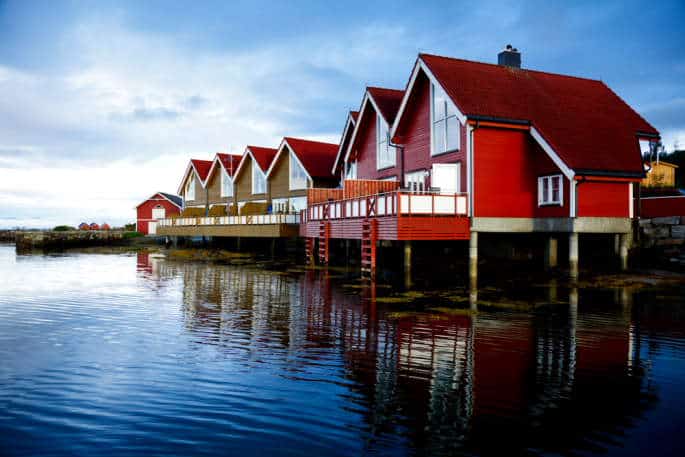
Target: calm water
{"type": "Point", "coordinates": [132, 354]}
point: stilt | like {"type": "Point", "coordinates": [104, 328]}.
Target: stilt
{"type": "Point", "coordinates": [473, 260]}
{"type": "Point", "coordinates": [407, 264]}
{"type": "Point", "coordinates": [551, 252]}
{"type": "Point", "coordinates": [347, 252]}
{"type": "Point", "coordinates": [237, 244]}
{"type": "Point", "coordinates": [573, 255]}
{"type": "Point", "coordinates": [309, 251]}
{"type": "Point", "coordinates": [623, 251]}
{"type": "Point", "coordinates": [273, 248]}
{"type": "Point", "coordinates": [617, 244]}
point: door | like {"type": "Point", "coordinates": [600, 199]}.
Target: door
{"type": "Point", "coordinates": [446, 177]}
{"type": "Point", "coordinates": [152, 228]}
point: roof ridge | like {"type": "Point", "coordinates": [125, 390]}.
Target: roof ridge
{"type": "Point", "coordinates": [582, 78]}
{"type": "Point", "coordinates": [307, 140]}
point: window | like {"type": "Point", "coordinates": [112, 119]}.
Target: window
{"type": "Point", "coordinates": [385, 154]}
{"type": "Point", "coordinates": [351, 170]}
{"type": "Point", "coordinates": [279, 205]}
{"type": "Point", "coordinates": [158, 212]}
{"type": "Point", "coordinates": [415, 181]}
{"type": "Point", "coordinates": [297, 204]}
{"type": "Point", "coordinates": [190, 189]}
{"type": "Point", "coordinates": [446, 177]}
{"type": "Point", "coordinates": [550, 190]}
{"type": "Point", "coordinates": [445, 128]}
{"type": "Point", "coordinates": [298, 177]}
{"type": "Point", "coordinates": [226, 184]}
{"type": "Point", "coordinates": [258, 180]}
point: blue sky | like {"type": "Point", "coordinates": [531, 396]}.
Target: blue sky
{"type": "Point", "coordinates": [102, 103]}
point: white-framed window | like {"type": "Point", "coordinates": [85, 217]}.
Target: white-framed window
{"type": "Point", "coordinates": [190, 188]}
{"type": "Point", "coordinates": [158, 212]}
{"type": "Point", "coordinates": [385, 154]}
{"type": "Point", "coordinates": [279, 205]}
{"type": "Point", "coordinates": [550, 190]}
{"type": "Point", "coordinates": [389, 178]}
{"type": "Point", "coordinates": [298, 177]}
{"type": "Point", "coordinates": [444, 123]}
{"type": "Point", "coordinates": [446, 177]}
{"type": "Point", "coordinates": [415, 181]}
{"type": "Point", "coordinates": [258, 180]}
{"type": "Point", "coordinates": [297, 204]}
{"type": "Point", "coordinates": [226, 184]}
{"type": "Point", "coordinates": [351, 170]}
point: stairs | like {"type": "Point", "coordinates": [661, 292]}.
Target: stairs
{"type": "Point", "coordinates": [369, 237]}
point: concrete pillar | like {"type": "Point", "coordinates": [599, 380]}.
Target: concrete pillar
{"type": "Point", "coordinates": [617, 244]}
{"type": "Point", "coordinates": [473, 260]}
{"type": "Point", "coordinates": [407, 264]}
{"type": "Point", "coordinates": [623, 251]}
{"type": "Point", "coordinates": [551, 252]}
{"type": "Point", "coordinates": [573, 255]}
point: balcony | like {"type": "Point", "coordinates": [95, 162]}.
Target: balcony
{"type": "Point", "coordinates": [262, 225]}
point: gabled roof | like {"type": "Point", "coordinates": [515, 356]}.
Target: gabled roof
{"type": "Point", "coordinates": [385, 102]}
{"type": "Point", "coordinates": [316, 157]}
{"type": "Point", "coordinates": [228, 162]}
{"type": "Point", "coordinates": [201, 170]}
{"type": "Point", "coordinates": [262, 156]}
{"type": "Point", "coordinates": [346, 135]}
{"type": "Point", "coordinates": [174, 199]}
{"type": "Point", "coordinates": [589, 127]}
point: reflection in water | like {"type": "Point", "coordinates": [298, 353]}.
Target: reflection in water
{"type": "Point", "coordinates": [240, 360]}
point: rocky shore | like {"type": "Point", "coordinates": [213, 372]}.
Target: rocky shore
{"type": "Point", "coordinates": [29, 240]}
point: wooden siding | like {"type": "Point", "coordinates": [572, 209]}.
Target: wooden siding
{"type": "Point", "coordinates": [214, 189]}
{"type": "Point", "coordinates": [662, 206]}
{"type": "Point", "coordinates": [415, 135]}
{"type": "Point", "coordinates": [247, 230]}
{"type": "Point", "coordinates": [200, 193]}
{"type": "Point", "coordinates": [243, 184]}
{"type": "Point", "coordinates": [144, 211]}
{"type": "Point", "coordinates": [662, 174]}
{"type": "Point", "coordinates": [545, 166]}
{"type": "Point", "coordinates": [364, 149]}
{"type": "Point", "coordinates": [603, 199]}
{"type": "Point", "coordinates": [279, 180]}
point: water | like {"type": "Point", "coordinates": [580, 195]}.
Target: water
{"type": "Point", "coordinates": [124, 354]}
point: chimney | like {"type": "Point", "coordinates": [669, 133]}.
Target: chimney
{"type": "Point", "coordinates": [509, 57]}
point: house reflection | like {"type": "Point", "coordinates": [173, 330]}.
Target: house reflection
{"type": "Point", "coordinates": [550, 379]}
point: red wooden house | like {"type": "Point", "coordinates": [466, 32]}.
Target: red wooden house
{"type": "Point", "coordinates": [159, 206]}
{"type": "Point", "coordinates": [490, 148]}
{"type": "Point", "coordinates": [338, 165]}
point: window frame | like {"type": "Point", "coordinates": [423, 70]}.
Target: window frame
{"type": "Point", "coordinates": [350, 165]}
{"type": "Point", "coordinates": [389, 150]}
{"type": "Point", "coordinates": [225, 176]}
{"type": "Point", "coordinates": [256, 169]}
{"type": "Point", "coordinates": [295, 160]}
{"type": "Point", "coordinates": [190, 188]}
{"type": "Point", "coordinates": [548, 200]}
{"type": "Point", "coordinates": [433, 121]}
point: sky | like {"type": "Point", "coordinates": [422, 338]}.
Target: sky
{"type": "Point", "coordinates": [102, 103]}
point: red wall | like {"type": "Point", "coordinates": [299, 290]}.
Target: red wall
{"type": "Point", "coordinates": [144, 211]}
{"type": "Point", "coordinates": [662, 207]}
{"type": "Point", "coordinates": [603, 199]}
{"type": "Point", "coordinates": [365, 149]}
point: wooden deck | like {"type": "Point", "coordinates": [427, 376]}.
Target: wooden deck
{"type": "Point", "coordinates": [399, 216]}
{"type": "Point", "coordinates": [258, 226]}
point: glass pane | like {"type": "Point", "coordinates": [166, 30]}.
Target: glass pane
{"type": "Point", "coordinates": [545, 190]}
{"type": "Point", "coordinates": [450, 109]}
{"type": "Point", "coordinates": [439, 137]}
{"type": "Point", "coordinates": [452, 133]}
{"type": "Point", "coordinates": [438, 104]}
{"type": "Point", "coordinates": [555, 189]}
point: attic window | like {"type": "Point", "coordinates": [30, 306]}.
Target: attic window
{"type": "Point", "coordinates": [550, 190]}
{"type": "Point", "coordinates": [385, 154]}
{"type": "Point", "coordinates": [351, 170]}
{"type": "Point", "coordinates": [226, 184]}
{"type": "Point", "coordinates": [190, 188]}
{"type": "Point", "coordinates": [445, 126]}
{"type": "Point", "coordinates": [298, 177]}
{"type": "Point", "coordinates": [258, 180]}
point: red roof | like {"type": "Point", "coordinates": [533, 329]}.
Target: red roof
{"type": "Point", "coordinates": [229, 161]}
{"type": "Point", "coordinates": [317, 158]}
{"type": "Point", "coordinates": [263, 156]}
{"type": "Point", "coordinates": [355, 115]}
{"type": "Point", "coordinates": [202, 167]}
{"type": "Point", "coordinates": [388, 101]}
{"type": "Point", "coordinates": [590, 127]}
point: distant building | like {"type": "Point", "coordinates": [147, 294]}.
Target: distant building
{"type": "Point", "coordinates": [662, 174]}
{"type": "Point", "coordinates": [161, 205]}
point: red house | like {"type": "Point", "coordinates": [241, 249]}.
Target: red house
{"type": "Point", "coordinates": [159, 206]}
{"type": "Point", "coordinates": [480, 147]}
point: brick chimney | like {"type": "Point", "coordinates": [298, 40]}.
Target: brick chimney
{"type": "Point", "coordinates": [509, 57]}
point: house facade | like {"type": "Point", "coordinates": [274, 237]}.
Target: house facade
{"type": "Point", "coordinates": [339, 170]}
{"type": "Point", "coordinates": [192, 188]}
{"type": "Point", "coordinates": [219, 184]}
{"type": "Point", "coordinates": [250, 183]}
{"type": "Point", "coordinates": [159, 206]}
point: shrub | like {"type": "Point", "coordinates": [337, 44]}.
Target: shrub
{"type": "Point", "coordinates": [63, 228]}
{"type": "Point", "coordinates": [129, 235]}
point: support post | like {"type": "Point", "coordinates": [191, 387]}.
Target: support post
{"type": "Point", "coordinates": [551, 252]}
{"type": "Point", "coordinates": [237, 244]}
{"type": "Point", "coordinates": [623, 251]}
{"type": "Point", "coordinates": [573, 255]}
{"type": "Point", "coordinates": [473, 260]}
{"type": "Point", "coordinates": [407, 264]}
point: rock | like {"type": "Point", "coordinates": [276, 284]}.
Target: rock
{"type": "Point", "coordinates": [670, 220]}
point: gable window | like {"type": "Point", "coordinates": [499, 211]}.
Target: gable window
{"type": "Point", "coordinates": [226, 184]}
{"type": "Point", "coordinates": [385, 154]}
{"type": "Point", "coordinates": [550, 190]}
{"type": "Point", "coordinates": [445, 126]}
{"type": "Point", "coordinates": [258, 180]}
{"type": "Point", "coordinates": [298, 177]}
{"type": "Point", "coordinates": [351, 170]}
{"type": "Point", "coordinates": [190, 189]}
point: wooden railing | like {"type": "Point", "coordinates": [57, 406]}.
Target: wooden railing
{"type": "Point", "coordinates": [261, 219]}
{"type": "Point", "coordinates": [397, 203]}
{"type": "Point", "coordinates": [351, 188]}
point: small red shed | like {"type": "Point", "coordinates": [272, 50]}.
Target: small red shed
{"type": "Point", "coordinates": [161, 205]}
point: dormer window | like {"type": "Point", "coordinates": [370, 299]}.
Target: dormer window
{"type": "Point", "coordinates": [258, 180]}
{"type": "Point", "coordinates": [190, 188]}
{"type": "Point", "coordinates": [385, 154]}
{"type": "Point", "coordinates": [298, 177]}
{"type": "Point", "coordinates": [226, 184]}
{"type": "Point", "coordinates": [445, 126]}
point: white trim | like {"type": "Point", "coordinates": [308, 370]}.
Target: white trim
{"type": "Point", "coordinates": [552, 154]}
{"type": "Point", "coordinates": [667, 196]}
{"type": "Point", "coordinates": [284, 143]}
{"type": "Point", "coordinates": [224, 174]}
{"type": "Point", "coordinates": [547, 200]}
{"type": "Point", "coordinates": [152, 197]}
{"type": "Point", "coordinates": [216, 159]}
{"type": "Point", "coordinates": [421, 65]}
{"type": "Point", "coordinates": [350, 120]}
{"type": "Point", "coordinates": [573, 190]}
{"type": "Point", "coordinates": [308, 179]}
{"type": "Point", "coordinates": [387, 142]}
{"type": "Point", "coordinates": [431, 102]}
{"type": "Point", "coordinates": [185, 177]}
{"type": "Point", "coordinates": [631, 204]}
{"type": "Point", "coordinates": [469, 168]}
{"type": "Point", "coordinates": [247, 153]}
{"type": "Point", "coordinates": [255, 166]}
{"type": "Point", "coordinates": [368, 98]}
